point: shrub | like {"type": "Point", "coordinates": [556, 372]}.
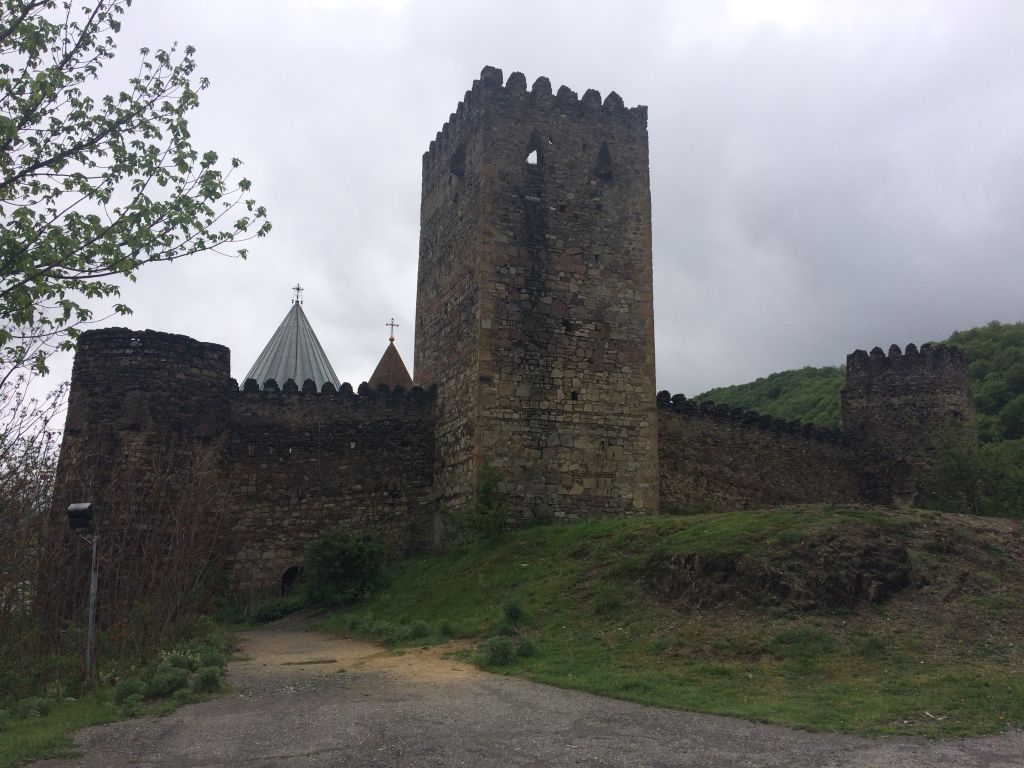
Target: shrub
{"type": "Point", "coordinates": [276, 608]}
{"type": "Point", "coordinates": [130, 686]}
{"type": "Point", "coordinates": [34, 706]}
{"type": "Point", "coordinates": [489, 510]}
{"type": "Point", "coordinates": [181, 696]}
{"type": "Point", "coordinates": [525, 648]}
{"type": "Point", "coordinates": [182, 660]}
{"type": "Point", "coordinates": [166, 680]}
{"type": "Point", "coordinates": [498, 652]}
{"type": "Point", "coordinates": [341, 567]}
{"type": "Point", "coordinates": [131, 706]}
{"type": "Point", "coordinates": [513, 612]}
{"type": "Point", "coordinates": [445, 629]}
{"type": "Point", "coordinates": [212, 659]}
{"type": "Point", "coordinates": [207, 680]}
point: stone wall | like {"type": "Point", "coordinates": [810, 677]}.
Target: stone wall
{"type": "Point", "coordinates": [715, 458]}
{"type": "Point", "coordinates": [300, 464]}
{"type": "Point", "coordinates": [134, 395]}
{"type": "Point", "coordinates": [910, 406]}
{"type": "Point", "coordinates": [536, 299]}
{"type": "Point", "coordinates": [284, 465]}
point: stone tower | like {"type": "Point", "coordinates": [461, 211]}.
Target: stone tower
{"type": "Point", "coordinates": [909, 407]}
{"type": "Point", "coordinates": [534, 312]}
{"type": "Point", "coordinates": [136, 397]}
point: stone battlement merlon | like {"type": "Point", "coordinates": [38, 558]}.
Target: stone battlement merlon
{"type": "Point", "coordinates": [565, 101]}
{"type": "Point", "coordinates": [862, 363]}
{"type": "Point", "coordinates": [724, 413]}
{"type": "Point", "coordinates": [363, 393]}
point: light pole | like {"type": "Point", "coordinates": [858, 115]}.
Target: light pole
{"type": "Point", "coordinates": [80, 521]}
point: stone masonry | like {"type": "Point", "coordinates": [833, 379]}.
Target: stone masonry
{"type": "Point", "coordinates": [535, 348]}
{"type": "Point", "coordinates": [535, 305]}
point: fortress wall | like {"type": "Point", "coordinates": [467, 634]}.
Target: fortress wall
{"type": "Point", "coordinates": [303, 463]}
{"type": "Point", "coordinates": [717, 459]}
{"type": "Point", "coordinates": [136, 396]}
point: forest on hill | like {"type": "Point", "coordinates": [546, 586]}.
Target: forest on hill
{"type": "Point", "coordinates": [995, 355]}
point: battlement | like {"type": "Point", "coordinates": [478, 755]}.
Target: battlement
{"type": "Point", "coordinates": [565, 101]}
{"type": "Point", "coordinates": [929, 356]}
{"type": "Point", "coordinates": [724, 413]}
{"type": "Point", "coordinates": [170, 347]}
{"type": "Point", "coordinates": [343, 393]}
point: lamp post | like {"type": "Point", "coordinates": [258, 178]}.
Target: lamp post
{"type": "Point", "coordinates": [80, 520]}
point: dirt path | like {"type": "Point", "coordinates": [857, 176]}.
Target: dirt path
{"type": "Point", "coordinates": [306, 699]}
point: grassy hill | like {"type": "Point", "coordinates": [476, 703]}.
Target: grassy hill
{"type": "Point", "coordinates": [829, 618]}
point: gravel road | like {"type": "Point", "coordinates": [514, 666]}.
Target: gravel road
{"type": "Point", "coordinates": [301, 699]}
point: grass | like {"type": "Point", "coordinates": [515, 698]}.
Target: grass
{"type": "Point", "coordinates": [590, 621]}
{"type": "Point", "coordinates": [26, 737]}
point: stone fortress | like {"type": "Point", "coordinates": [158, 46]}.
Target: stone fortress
{"type": "Point", "coordinates": [534, 361]}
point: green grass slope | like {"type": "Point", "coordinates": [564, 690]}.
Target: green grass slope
{"type": "Point", "coordinates": [833, 618]}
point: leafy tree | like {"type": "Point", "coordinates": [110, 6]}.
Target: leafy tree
{"type": "Point", "coordinates": [95, 185]}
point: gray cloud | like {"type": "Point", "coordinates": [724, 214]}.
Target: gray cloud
{"type": "Point", "coordinates": [822, 180]}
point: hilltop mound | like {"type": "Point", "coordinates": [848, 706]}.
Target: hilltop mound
{"type": "Point", "coordinates": [825, 617]}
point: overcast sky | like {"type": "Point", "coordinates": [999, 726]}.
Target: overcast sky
{"type": "Point", "coordinates": [825, 176]}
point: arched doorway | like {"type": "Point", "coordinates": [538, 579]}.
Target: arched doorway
{"type": "Point", "coordinates": [290, 579]}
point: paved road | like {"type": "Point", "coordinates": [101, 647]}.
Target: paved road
{"type": "Point", "coordinates": [304, 699]}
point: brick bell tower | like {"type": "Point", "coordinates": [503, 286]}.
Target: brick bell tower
{"type": "Point", "coordinates": [534, 312]}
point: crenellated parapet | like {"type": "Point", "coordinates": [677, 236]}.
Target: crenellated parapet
{"type": "Point", "coordinates": [342, 394]}
{"type": "Point", "coordinates": [723, 413]}
{"type": "Point", "coordinates": [490, 88]}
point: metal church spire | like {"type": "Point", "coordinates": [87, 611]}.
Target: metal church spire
{"type": "Point", "coordinates": [294, 352]}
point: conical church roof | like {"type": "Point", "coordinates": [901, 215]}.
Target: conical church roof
{"type": "Point", "coordinates": [391, 370]}
{"type": "Point", "coordinates": [293, 352]}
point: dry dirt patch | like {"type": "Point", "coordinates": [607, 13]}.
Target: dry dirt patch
{"type": "Point", "coordinates": [290, 649]}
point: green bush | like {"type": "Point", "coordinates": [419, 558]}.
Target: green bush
{"type": "Point", "coordinates": [341, 567]}
{"type": "Point", "coordinates": [187, 661]}
{"type": "Point", "coordinates": [131, 705]}
{"type": "Point", "coordinates": [498, 652]}
{"type": "Point", "coordinates": [166, 680]}
{"type": "Point", "coordinates": [34, 706]}
{"type": "Point", "coordinates": [513, 612]}
{"type": "Point", "coordinates": [276, 608]}
{"type": "Point", "coordinates": [207, 680]}
{"type": "Point", "coordinates": [445, 629]}
{"type": "Point", "coordinates": [212, 659]}
{"type": "Point", "coordinates": [417, 630]}
{"type": "Point", "coordinates": [489, 510]}
{"type": "Point", "coordinates": [525, 648]}
{"type": "Point", "coordinates": [181, 696]}
{"type": "Point", "coordinates": [130, 686]}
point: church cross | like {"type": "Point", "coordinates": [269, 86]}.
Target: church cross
{"type": "Point", "coordinates": [392, 325]}
{"type": "Point", "coordinates": [298, 293]}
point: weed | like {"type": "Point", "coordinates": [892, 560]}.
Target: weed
{"type": "Point", "coordinates": [212, 659]}
{"type": "Point", "coordinates": [130, 686]}
{"type": "Point", "coordinates": [165, 681]}
{"type": "Point", "coordinates": [498, 652]}
{"type": "Point", "coordinates": [525, 648]}
{"type": "Point", "coordinates": [207, 680]}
